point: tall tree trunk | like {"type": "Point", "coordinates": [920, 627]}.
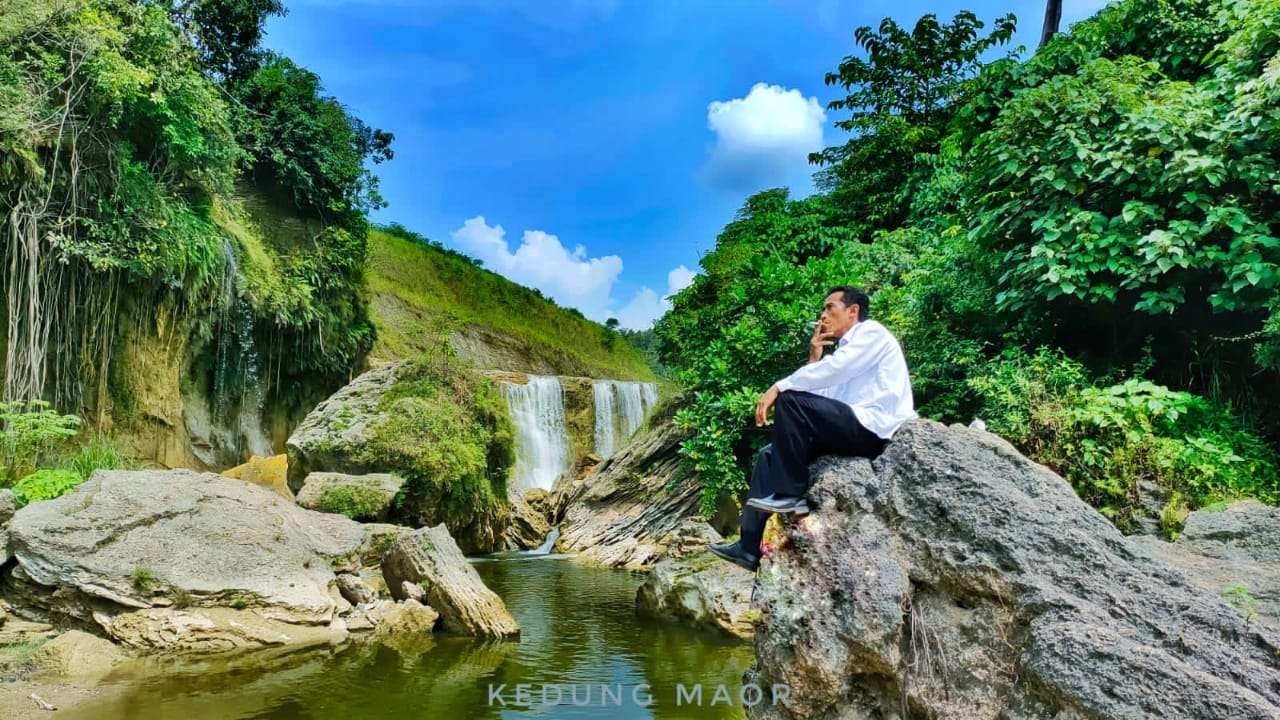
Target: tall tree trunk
{"type": "Point", "coordinates": [1052, 18]}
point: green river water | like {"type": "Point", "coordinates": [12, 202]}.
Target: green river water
{"type": "Point", "coordinates": [579, 629]}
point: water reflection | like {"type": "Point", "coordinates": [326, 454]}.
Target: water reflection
{"type": "Point", "coordinates": [579, 626]}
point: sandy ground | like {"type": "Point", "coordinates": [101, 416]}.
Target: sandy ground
{"type": "Point", "coordinates": [16, 702]}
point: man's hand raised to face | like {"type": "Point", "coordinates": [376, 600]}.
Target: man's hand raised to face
{"type": "Point", "coordinates": [821, 340]}
{"type": "Point", "coordinates": [767, 400]}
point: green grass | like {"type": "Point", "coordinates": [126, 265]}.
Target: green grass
{"type": "Point", "coordinates": [419, 293]}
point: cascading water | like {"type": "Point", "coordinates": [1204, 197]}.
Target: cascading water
{"type": "Point", "coordinates": [237, 389]}
{"type": "Point", "coordinates": [620, 408]}
{"type": "Point", "coordinates": [542, 443]}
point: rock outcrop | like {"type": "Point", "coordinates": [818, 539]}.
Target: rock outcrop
{"type": "Point", "coordinates": [181, 560]}
{"type": "Point", "coordinates": [323, 491]}
{"type": "Point", "coordinates": [961, 580]}
{"type": "Point", "coordinates": [271, 471]}
{"type": "Point", "coordinates": [702, 591]}
{"type": "Point", "coordinates": [77, 655]}
{"type": "Point", "coordinates": [530, 519]}
{"type": "Point", "coordinates": [1233, 552]}
{"type": "Point", "coordinates": [7, 509]}
{"type": "Point", "coordinates": [331, 436]}
{"type": "Point", "coordinates": [621, 514]}
{"type": "Point", "coordinates": [429, 557]}
{"type": "Point", "coordinates": [338, 436]}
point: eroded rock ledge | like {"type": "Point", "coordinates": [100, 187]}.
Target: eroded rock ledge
{"type": "Point", "coordinates": [958, 579]}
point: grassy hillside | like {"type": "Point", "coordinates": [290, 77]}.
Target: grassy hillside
{"type": "Point", "coordinates": [420, 292]}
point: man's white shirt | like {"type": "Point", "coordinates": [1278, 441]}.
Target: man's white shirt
{"type": "Point", "coordinates": [867, 372]}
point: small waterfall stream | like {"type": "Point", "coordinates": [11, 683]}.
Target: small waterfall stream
{"type": "Point", "coordinates": [620, 407]}
{"type": "Point", "coordinates": [542, 443]}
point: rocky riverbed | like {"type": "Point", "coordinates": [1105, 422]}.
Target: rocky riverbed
{"type": "Point", "coordinates": [950, 578]}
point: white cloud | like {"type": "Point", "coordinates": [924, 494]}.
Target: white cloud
{"type": "Point", "coordinates": [645, 306]}
{"type": "Point", "coordinates": [763, 139]}
{"type": "Point", "coordinates": [571, 278]}
{"type": "Point", "coordinates": [678, 279]}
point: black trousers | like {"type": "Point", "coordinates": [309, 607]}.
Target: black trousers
{"type": "Point", "coordinates": [805, 426]}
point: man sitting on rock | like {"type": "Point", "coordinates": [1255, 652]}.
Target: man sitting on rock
{"type": "Point", "coordinates": [847, 403]}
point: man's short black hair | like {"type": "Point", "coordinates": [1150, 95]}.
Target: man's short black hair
{"type": "Point", "coordinates": [851, 295]}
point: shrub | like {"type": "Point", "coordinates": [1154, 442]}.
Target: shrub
{"type": "Point", "coordinates": [446, 431]}
{"type": "Point", "coordinates": [1105, 440]}
{"type": "Point", "coordinates": [144, 580]}
{"type": "Point", "coordinates": [44, 485]}
{"type": "Point", "coordinates": [99, 453]}
{"type": "Point", "coordinates": [29, 430]}
{"type": "Point", "coordinates": [355, 501]}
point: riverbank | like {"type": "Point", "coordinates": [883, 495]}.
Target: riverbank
{"type": "Point", "coordinates": [578, 626]}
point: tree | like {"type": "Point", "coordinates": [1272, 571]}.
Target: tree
{"type": "Point", "coordinates": [228, 32]}
{"type": "Point", "coordinates": [900, 98]}
{"type": "Point", "coordinates": [611, 323]}
{"type": "Point", "coordinates": [1052, 19]}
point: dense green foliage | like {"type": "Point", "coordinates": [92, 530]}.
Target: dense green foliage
{"type": "Point", "coordinates": [421, 291]}
{"type": "Point", "coordinates": [45, 485]}
{"type": "Point", "coordinates": [130, 134]}
{"type": "Point", "coordinates": [1112, 198]}
{"type": "Point", "coordinates": [1109, 440]}
{"type": "Point", "coordinates": [28, 433]}
{"type": "Point", "coordinates": [445, 429]}
{"type": "Point", "coordinates": [357, 502]}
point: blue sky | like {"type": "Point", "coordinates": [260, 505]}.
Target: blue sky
{"type": "Point", "coordinates": [594, 148]}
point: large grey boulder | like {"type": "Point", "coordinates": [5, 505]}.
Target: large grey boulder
{"type": "Point", "coordinates": [338, 436]}
{"type": "Point", "coordinates": [159, 549]}
{"type": "Point", "coordinates": [961, 580]}
{"type": "Point", "coordinates": [331, 436]}
{"type": "Point", "coordinates": [702, 591]}
{"type": "Point", "coordinates": [7, 508]}
{"type": "Point", "coordinates": [1232, 551]}
{"type": "Point", "coordinates": [324, 491]}
{"type": "Point", "coordinates": [429, 557]}
{"type": "Point", "coordinates": [621, 514]}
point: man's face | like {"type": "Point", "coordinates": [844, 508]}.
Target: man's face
{"type": "Point", "coordinates": [837, 317]}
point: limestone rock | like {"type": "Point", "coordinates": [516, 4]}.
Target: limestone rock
{"type": "Point", "coordinates": [431, 558]}
{"type": "Point", "coordinates": [334, 436]}
{"type": "Point", "coordinates": [210, 629]}
{"type": "Point", "coordinates": [702, 591]}
{"type": "Point", "coordinates": [157, 540]}
{"type": "Point", "coordinates": [7, 508]}
{"type": "Point", "coordinates": [961, 580]}
{"type": "Point", "coordinates": [691, 538]}
{"type": "Point", "coordinates": [529, 522]}
{"type": "Point", "coordinates": [1233, 552]}
{"type": "Point", "coordinates": [77, 655]}
{"type": "Point", "coordinates": [354, 589]}
{"type": "Point", "coordinates": [413, 591]}
{"type": "Point", "coordinates": [272, 472]}
{"type": "Point", "coordinates": [330, 436]}
{"type": "Point", "coordinates": [621, 514]}
{"type": "Point", "coordinates": [409, 617]}
{"type": "Point", "coordinates": [381, 485]}
{"type": "Point", "coordinates": [377, 538]}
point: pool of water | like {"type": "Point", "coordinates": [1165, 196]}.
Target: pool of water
{"type": "Point", "coordinates": [579, 634]}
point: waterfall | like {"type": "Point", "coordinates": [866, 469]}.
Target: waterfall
{"type": "Point", "coordinates": [549, 543]}
{"type": "Point", "coordinates": [620, 408]}
{"type": "Point", "coordinates": [542, 444]}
